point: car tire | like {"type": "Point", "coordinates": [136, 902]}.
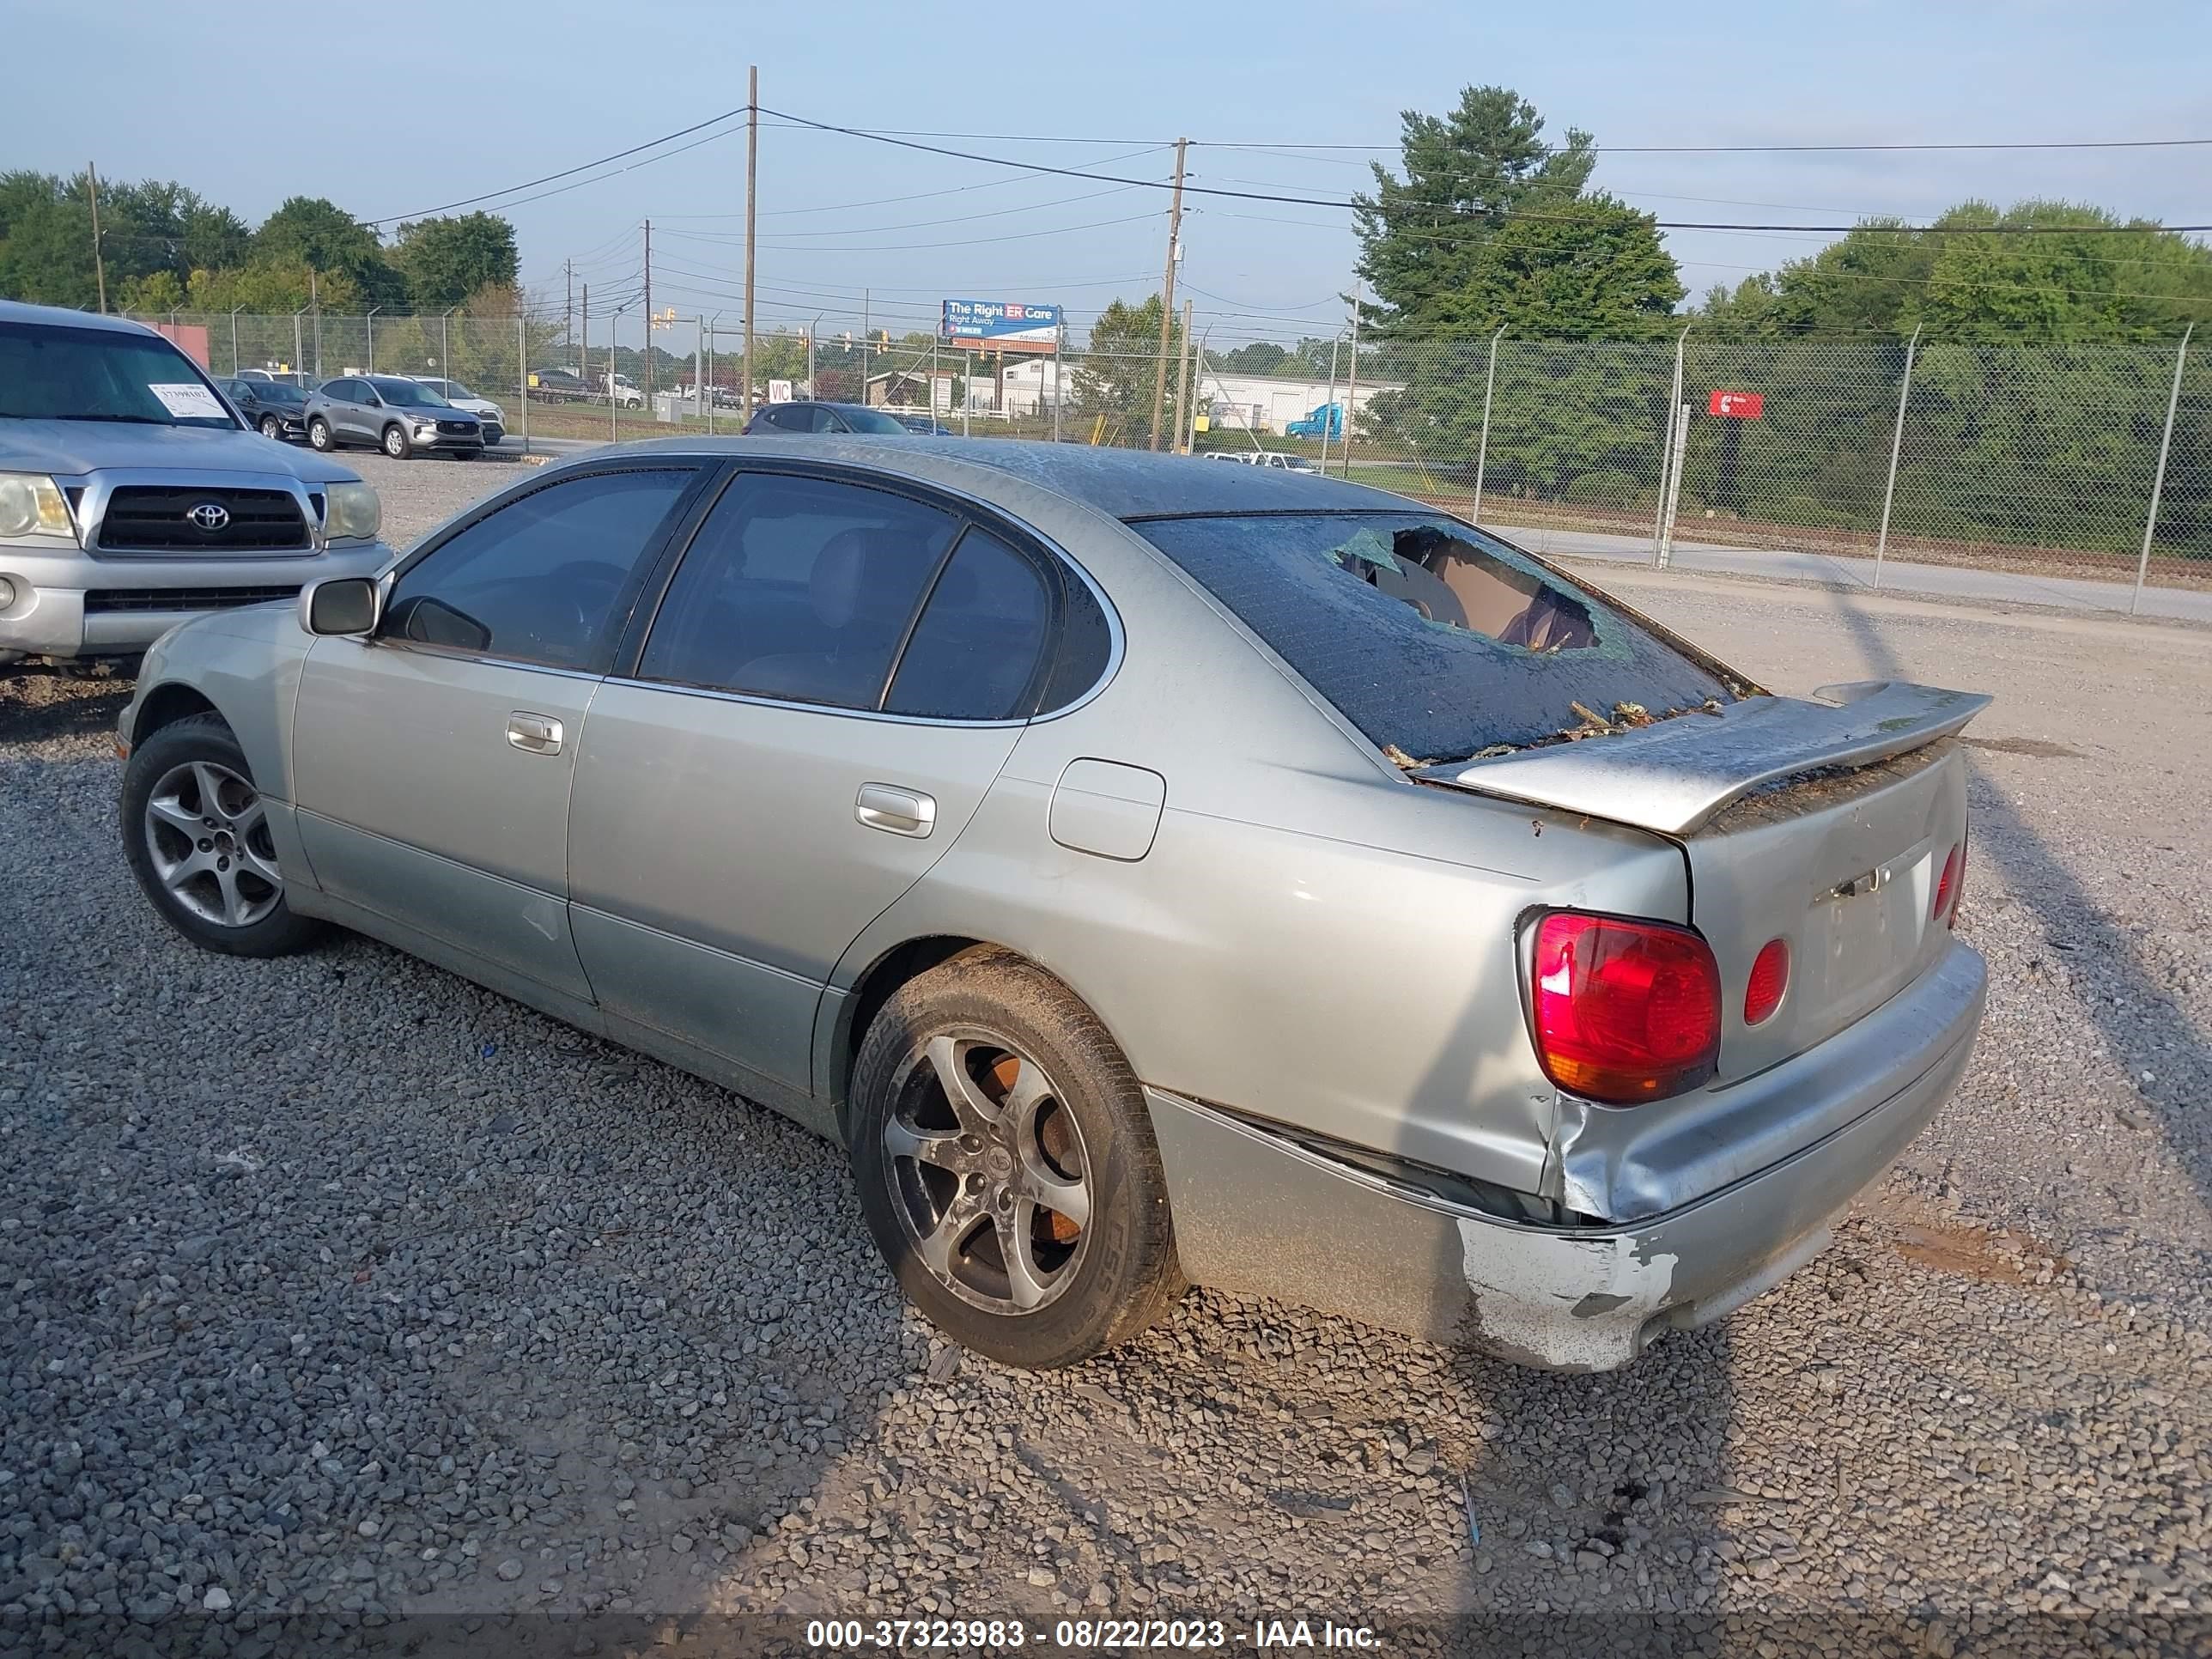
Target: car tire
{"type": "Point", "coordinates": [196, 769]}
{"type": "Point", "coordinates": [396, 444]}
{"type": "Point", "coordinates": [1000, 1272]}
{"type": "Point", "coordinates": [320, 436]}
{"type": "Point", "coordinates": [272, 427]}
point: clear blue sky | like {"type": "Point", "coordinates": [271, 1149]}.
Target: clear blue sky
{"type": "Point", "coordinates": [246, 111]}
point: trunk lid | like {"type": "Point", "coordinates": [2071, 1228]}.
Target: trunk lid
{"type": "Point", "coordinates": [1826, 824]}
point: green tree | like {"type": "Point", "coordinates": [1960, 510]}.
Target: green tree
{"type": "Point", "coordinates": [445, 260]}
{"type": "Point", "coordinates": [314, 232]}
{"type": "Point", "coordinates": [1260, 357]}
{"type": "Point", "coordinates": [1120, 368]}
{"type": "Point", "coordinates": [1425, 239]}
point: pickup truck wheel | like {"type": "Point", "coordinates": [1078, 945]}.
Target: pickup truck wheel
{"type": "Point", "coordinates": [395, 442]}
{"type": "Point", "coordinates": [196, 833]}
{"type": "Point", "coordinates": [318, 435]}
{"type": "Point", "coordinates": [272, 427]}
{"type": "Point", "coordinates": [1006, 1165]}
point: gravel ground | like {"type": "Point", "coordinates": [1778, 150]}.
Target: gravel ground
{"type": "Point", "coordinates": [352, 1306]}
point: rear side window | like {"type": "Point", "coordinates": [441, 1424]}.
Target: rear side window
{"type": "Point", "coordinates": [1435, 641]}
{"type": "Point", "coordinates": [974, 653]}
{"type": "Point", "coordinates": [800, 589]}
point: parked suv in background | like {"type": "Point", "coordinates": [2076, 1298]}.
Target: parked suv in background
{"type": "Point", "coordinates": [493, 417]}
{"type": "Point", "coordinates": [398, 415]}
{"type": "Point", "coordinates": [131, 499]}
{"type": "Point", "coordinates": [272, 408]}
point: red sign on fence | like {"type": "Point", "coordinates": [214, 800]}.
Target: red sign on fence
{"type": "Point", "coordinates": [1741, 405]}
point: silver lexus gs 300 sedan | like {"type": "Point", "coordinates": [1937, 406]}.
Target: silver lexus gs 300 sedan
{"type": "Point", "coordinates": [1151, 873]}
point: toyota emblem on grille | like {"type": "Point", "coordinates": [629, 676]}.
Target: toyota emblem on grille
{"type": "Point", "coordinates": [208, 516]}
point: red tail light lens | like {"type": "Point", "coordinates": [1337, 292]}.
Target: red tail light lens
{"type": "Point", "coordinates": [1770, 977]}
{"type": "Point", "coordinates": [1947, 884]}
{"type": "Point", "coordinates": [1625, 1011]}
{"type": "Point", "coordinates": [1959, 886]}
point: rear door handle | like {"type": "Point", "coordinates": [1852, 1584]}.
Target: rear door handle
{"type": "Point", "coordinates": [900, 811]}
{"type": "Point", "coordinates": [534, 734]}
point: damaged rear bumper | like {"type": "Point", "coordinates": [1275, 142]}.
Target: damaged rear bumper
{"type": "Point", "coordinates": [1255, 1212]}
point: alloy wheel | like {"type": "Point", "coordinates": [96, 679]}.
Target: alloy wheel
{"type": "Point", "coordinates": [988, 1173]}
{"type": "Point", "coordinates": [208, 834]}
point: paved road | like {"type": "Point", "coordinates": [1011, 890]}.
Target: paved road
{"type": "Point", "coordinates": [1941, 581]}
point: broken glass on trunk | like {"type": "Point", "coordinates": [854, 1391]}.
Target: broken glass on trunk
{"type": "Point", "coordinates": [1437, 641]}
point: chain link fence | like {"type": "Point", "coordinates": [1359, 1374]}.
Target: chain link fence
{"type": "Point", "coordinates": [2093, 461]}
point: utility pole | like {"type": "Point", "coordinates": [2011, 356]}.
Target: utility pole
{"type": "Point", "coordinates": [98, 261]}
{"type": "Point", "coordinates": [584, 344]}
{"type": "Point", "coordinates": [568, 329]}
{"type": "Point", "coordinates": [315, 306]}
{"type": "Point", "coordinates": [863, 399]}
{"type": "Point", "coordinates": [1182, 382]}
{"type": "Point", "coordinates": [649, 316]}
{"type": "Point", "coordinates": [1167, 295]}
{"type": "Point", "coordinates": [752, 181]}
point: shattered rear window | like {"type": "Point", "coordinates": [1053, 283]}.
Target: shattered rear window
{"type": "Point", "coordinates": [1435, 641]}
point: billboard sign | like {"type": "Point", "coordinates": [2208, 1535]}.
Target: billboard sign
{"type": "Point", "coordinates": [1736, 406]}
{"type": "Point", "coordinates": [999, 325]}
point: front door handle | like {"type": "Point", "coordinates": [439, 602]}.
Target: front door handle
{"type": "Point", "coordinates": [534, 734]}
{"type": "Point", "coordinates": [901, 812]}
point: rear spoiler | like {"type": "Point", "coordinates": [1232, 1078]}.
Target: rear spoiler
{"type": "Point", "coordinates": [1675, 775]}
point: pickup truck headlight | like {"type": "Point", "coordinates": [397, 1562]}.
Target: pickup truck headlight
{"type": "Point", "coordinates": [350, 511]}
{"type": "Point", "coordinates": [30, 504]}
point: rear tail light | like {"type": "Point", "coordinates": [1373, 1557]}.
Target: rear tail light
{"type": "Point", "coordinates": [1770, 977]}
{"type": "Point", "coordinates": [1625, 1012]}
{"type": "Point", "coordinates": [1958, 887]}
{"type": "Point", "coordinates": [1947, 884]}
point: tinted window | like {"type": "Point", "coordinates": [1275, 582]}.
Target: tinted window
{"type": "Point", "coordinates": [546, 579]}
{"type": "Point", "coordinates": [872, 420]}
{"type": "Point", "coordinates": [786, 418]}
{"type": "Point", "coordinates": [343, 392]}
{"type": "Point", "coordinates": [798, 588]}
{"type": "Point", "coordinates": [1430, 636]}
{"type": "Point", "coordinates": [974, 653]}
{"type": "Point", "coordinates": [1084, 648]}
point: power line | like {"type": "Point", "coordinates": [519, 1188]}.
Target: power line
{"type": "Point", "coordinates": [1377, 208]}
{"type": "Point", "coordinates": [566, 173]}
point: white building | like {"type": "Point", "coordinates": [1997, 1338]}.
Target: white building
{"type": "Point", "coordinates": [1268, 403]}
{"type": "Point", "coordinates": [1035, 383]}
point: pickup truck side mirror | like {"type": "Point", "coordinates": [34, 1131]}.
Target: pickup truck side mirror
{"type": "Point", "coordinates": [341, 605]}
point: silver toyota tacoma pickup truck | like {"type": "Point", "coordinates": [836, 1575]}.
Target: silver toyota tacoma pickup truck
{"type": "Point", "coordinates": [132, 494]}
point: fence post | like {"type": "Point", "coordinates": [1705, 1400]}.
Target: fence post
{"type": "Point", "coordinates": [1058, 385]}
{"type": "Point", "coordinates": [2158, 478]}
{"type": "Point", "coordinates": [1896, 445]}
{"type": "Point", "coordinates": [1352, 381]}
{"type": "Point", "coordinates": [445, 344]}
{"type": "Point", "coordinates": [1482, 447]}
{"type": "Point", "coordinates": [370, 321]}
{"type": "Point", "coordinates": [1674, 485]}
{"type": "Point", "coordinates": [521, 376]}
{"type": "Point", "coordinates": [299, 352]}
{"type": "Point", "coordinates": [234, 341]}
{"type": "Point", "coordinates": [1666, 448]}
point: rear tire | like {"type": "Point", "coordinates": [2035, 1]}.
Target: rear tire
{"type": "Point", "coordinates": [397, 443]}
{"type": "Point", "coordinates": [1042, 1107]}
{"type": "Point", "coordinates": [319, 434]}
{"type": "Point", "coordinates": [196, 833]}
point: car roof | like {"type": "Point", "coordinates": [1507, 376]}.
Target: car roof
{"type": "Point", "coordinates": [18, 310]}
{"type": "Point", "coordinates": [1127, 483]}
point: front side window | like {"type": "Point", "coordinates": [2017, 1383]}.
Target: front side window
{"type": "Point", "coordinates": [117, 375]}
{"type": "Point", "coordinates": [873, 420]}
{"type": "Point", "coordinates": [547, 578]}
{"type": "Point", "coordinates": [800, 589]}
{"type": "Point", "coordinates": [1435, 641]}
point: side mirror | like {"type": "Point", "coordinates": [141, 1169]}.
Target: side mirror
{"type": "Point", "coordinates": [341, 605]}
